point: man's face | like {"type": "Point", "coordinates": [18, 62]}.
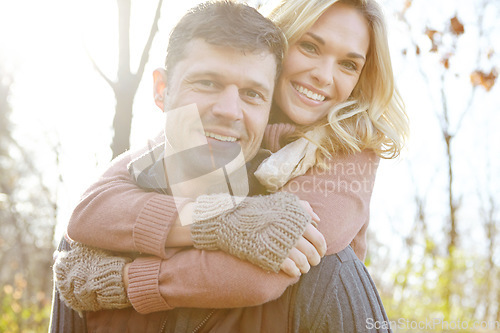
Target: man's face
{"type": "Point", "coordinates": [232, 91]}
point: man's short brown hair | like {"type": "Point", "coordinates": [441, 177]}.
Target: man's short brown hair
{"type": "Point", "coordinates": [226, 23]}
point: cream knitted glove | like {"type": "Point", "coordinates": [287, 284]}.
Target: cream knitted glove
{"type": "Point", "coordinates": [259, 229]}
{"type": "Point", "coordinates": [89, 279]}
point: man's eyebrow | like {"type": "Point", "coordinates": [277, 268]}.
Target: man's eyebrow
{"type": "Point", "coordinates": [203, 73]}
{"type": "Point", "coordinates": [265, 89]}
{"type": "Point", "coordinates": [216, 75]}
{"type": "Point", "coordinates": [322, 42]}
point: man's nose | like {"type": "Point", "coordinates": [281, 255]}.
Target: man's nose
{"type": "Point", "coordinates": [228, 104]}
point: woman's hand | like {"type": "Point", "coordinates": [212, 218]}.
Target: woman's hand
{"type": "Point", "coordinates": [308, 251]}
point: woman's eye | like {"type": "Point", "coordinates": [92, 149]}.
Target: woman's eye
{"type": "Point", "coordinates": [350, 66]}
{"type": "Point", "coordinates": [308, 47]}
{"type": "Point", "coordinates": [252, 94]}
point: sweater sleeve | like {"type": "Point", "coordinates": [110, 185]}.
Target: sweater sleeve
{"type": "Point", "coordinates": [213, 279]}
{"type": "Point", "coordinates": [115, 214]}
{"type": "Point", "coordinates": [201, 279]}
{"type": "Point", "coordinates": [341, 198]}
{"type": "Point", "coordinates": [196, 278]}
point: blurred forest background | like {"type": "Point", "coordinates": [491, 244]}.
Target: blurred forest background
{"type": "Point", "coordinates": [75, 83]}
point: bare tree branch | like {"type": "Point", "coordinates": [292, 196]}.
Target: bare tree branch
{"type": "Point", "coordinates": [96, 67]}
{"type": "Point", "coordinates": [124, 7]}
{"type": "Point", "coordinates": [467, 109]}
{"type": "Point", "coordinates": [149, 43]}
{"type": "Point", "coordinates": [127, 82]}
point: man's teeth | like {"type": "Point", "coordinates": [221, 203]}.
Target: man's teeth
{"type": "Point", "coordinates": [220, 137]}
{"type": "Point", "coordinates": [309, 94]}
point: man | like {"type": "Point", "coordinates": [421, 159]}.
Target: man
{"type": "Point", "coordinates": [231, 81]}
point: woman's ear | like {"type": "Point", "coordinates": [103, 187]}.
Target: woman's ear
{"type": "Point", "coordinates": [160, 87]}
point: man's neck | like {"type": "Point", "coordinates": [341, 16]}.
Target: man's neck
{"type": "Point", "coordinates": [218, 181]}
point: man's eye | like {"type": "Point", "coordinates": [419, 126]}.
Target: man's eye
{"type": "Point", "coordinates": [253, 96]}
{"type": "Point", "coordinates": [206, 83]}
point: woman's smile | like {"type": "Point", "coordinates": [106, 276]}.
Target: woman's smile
{"type": "Point", "coordinates": [309, 94]}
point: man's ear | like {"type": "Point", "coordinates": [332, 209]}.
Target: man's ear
{"type": "Point", "coordinates": [160, 87]}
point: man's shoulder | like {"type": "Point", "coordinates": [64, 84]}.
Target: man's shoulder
{"type": "Point", "coordinates": [256, 188]}
{"type": "Point", "coordinates": [146, 165]}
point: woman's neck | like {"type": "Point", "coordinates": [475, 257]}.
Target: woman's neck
{"type": "Point", "coordinates": [278, 116]}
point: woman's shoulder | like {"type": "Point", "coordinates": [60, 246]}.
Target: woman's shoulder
{"type": "Point", "coordinates": [360, 163]}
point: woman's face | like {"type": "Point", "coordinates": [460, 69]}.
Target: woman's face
{"type": "Point", "coordinates": [323, 66]}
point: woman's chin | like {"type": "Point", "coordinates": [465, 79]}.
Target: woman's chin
{"type": "Point", "coordinates": [302, 117]}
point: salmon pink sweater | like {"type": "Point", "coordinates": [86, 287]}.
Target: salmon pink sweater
{"type": "Point", "coordinates": [115, 214]}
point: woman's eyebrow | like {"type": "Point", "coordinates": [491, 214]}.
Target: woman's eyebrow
{"type": "Point", "coordinates": [355, 55]}
{"type": "Point", "coordinates": [322, 42]}
{"type": "Point", "coordinates": [316, 37]}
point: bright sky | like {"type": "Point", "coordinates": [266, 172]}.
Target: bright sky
{"type": "Point", "coordinates": [58, 98]}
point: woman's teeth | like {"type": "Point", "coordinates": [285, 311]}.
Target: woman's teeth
{"type": "Point", "coordinates": [309, 94]}
{"type": "Point", "coordinates": [220, 137]}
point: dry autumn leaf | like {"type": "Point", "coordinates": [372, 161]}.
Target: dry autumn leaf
{"type": "Point", "coordinates": [480, 78]}
{"type": "Point", "coordinates": [407, 5]}
{"type": "Point", "coordinates": [431, 34]}
{"type": "Point", "coordinates": [446, 62]}
{"type": "Point", "coordinates": [456, 26]}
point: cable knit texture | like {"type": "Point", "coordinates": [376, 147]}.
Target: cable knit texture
{"type": "Point", "coordinates": [211, 206]}
{"type": "Point", "coordinates": [260, 229]}
{"type": "Point", "coordinates": [90, 279]}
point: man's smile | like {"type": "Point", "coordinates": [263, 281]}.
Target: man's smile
{"type": "Point", "coordinates": [220, 137]}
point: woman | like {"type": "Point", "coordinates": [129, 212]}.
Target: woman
{"type": "Point", "coordinates": [330, 88]}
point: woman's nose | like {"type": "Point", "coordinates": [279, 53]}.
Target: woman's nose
{"type": "Point", "coordinates": [323, 72]}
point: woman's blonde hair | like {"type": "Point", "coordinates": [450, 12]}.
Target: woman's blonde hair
{"type": "Point", "coordinates": [373, 117]}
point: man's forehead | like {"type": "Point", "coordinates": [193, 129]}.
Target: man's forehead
{"type": "Point", "coordinates": [225, 62]}
{"type": "Point", "coordinates": [196, 44]}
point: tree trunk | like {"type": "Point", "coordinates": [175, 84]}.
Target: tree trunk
{"type": "Point", "coordinates": [122, 122]}
{"type": "Point", "coordinates": [126, 84]}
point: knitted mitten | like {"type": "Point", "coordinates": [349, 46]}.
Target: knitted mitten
{"type": "Point", "coordinates": [89, 279]}
{"type": "Point", "coordinates": [259, 229]}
